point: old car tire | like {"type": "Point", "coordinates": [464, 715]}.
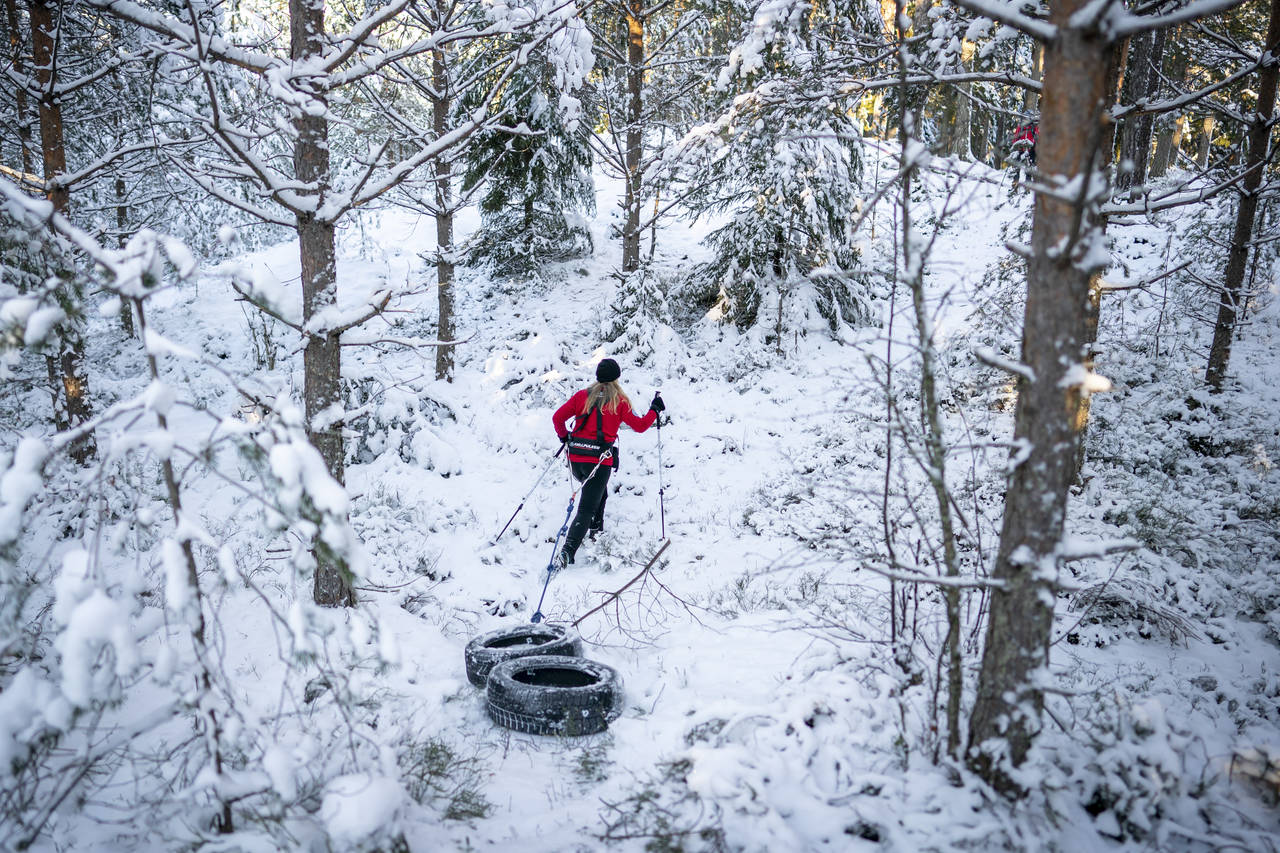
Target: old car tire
{"type": "Point", "coordinates": [552, 695]}
{"type": "Point", "coordinates": [486, 651]}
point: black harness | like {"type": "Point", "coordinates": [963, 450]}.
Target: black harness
{"type": "Point", "coordinates": [597, 447]}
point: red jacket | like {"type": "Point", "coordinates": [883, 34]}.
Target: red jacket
{"type": "Point", "coordinates": [586, 426]}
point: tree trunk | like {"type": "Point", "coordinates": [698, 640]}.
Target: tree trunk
{"type": "Point", "coordinates": [1169, 135]}
{"type": "Point", "coordinates": [635, 83]}
{"type": "Point", "coordinates": [1168, 142]}
{"type": "Point", "coordinates": [444, 221]}
{"type": "Point", "coordinates": [71, 388]}
{"type": "Point", "coordinates": [934, 438]}
{"type": "Point", "coordinates": [322, 356]}
{"type": "Point", "coordinates": [194, 613]}
{"type": "Point", "coordinates": [122, 227]}
{"type": "Point", "coordinates": [1031, 99]}
{"type": "Point", "coordinates": [1141, 146]}
{"type": "Point", "coordinates": [1098, 219]}
{"type": "Point", "coordinates": [1204, 143]}
{"type": "Point", "coordinates": [1242, 234]}
{"type": "Point", "coordinates": [44, 54]}
{"type": "Point", "coordinates": [956, 134]}
{"type": "Point", "coordinates": [1146, 51]}
{"type": "Point", "coordinates": [23, 117]}
{"type": "Point", "coordinates": [1010, 698]}
{"type": "Point", "coordinates": [936, 456]}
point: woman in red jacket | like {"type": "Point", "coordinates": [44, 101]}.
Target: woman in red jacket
{"type": "Point", "coordinates": [600, 410]}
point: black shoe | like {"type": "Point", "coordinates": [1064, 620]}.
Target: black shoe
{"type": "Point", "coordinates": [563, 560]}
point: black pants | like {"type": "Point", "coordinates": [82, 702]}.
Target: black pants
{"type": "Point", "coordinates": [591, 501]}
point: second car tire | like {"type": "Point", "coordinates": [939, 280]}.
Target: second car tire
{"type": "Point", "coordinates": [552, 695]}
{"type": "Point", "coordinates": [488, 650]}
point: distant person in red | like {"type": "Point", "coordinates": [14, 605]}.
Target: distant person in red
{"type": "Point", "coordinates": [600, 410]}
{"type": "Point", "coordinates": [1023, 143]}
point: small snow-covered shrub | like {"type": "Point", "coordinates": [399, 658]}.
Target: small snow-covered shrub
{"type": "Point", "coordinates": [664, 813]}
{"type": "Point", "coordinates": [400, 420]}
{"type": "Point", "coordinates": [1155, 470]}
{"type": "Point", "coordinates": [1132, 602]}
{"type": "Point", "coordinates": [1135, 771]}
{"type": "Point", "coordinates": [435, 774]}
{"type": "Point", "coordinates": [514, 244]}
{"type": "Point", "coordinates": [639, 324]}
{"type": "Point", "coordinates": [593, 763]}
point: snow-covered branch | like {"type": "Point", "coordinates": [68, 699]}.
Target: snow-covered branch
{"type": "Point", "coordinates": [1011, 15]}
{"type": "Point", "coordinates": [1122, 23]}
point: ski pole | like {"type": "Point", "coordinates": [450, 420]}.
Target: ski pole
{"type": "Point", "coordinates": [662, 506]}
{"type": "Point", "coordinates": [545, 469]}
{"type": "Point", "coordinates": [551, 565]}
{"type": "Point", "coordinates": [564, 530]}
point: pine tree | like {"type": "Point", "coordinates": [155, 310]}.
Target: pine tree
{"type": "Point", "coordinates": [783, 161]}
{"type": "Point", "coordinates": [535, 174]}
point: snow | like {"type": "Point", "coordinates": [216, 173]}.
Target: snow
{"type": "Point", "coordinates": [111, 307]}
{"type": "Point", "coordinates": [72, 585]}
{"type": "Point", "coordinates": [358, 805]}
{"type": "Point", "coordinates": [96, 622]}
{"type": "Point", "coordinates": [159, 345]}
{"type": "Point", "coordinates": [279, 765]}
{"type": "Point", "coordinates": [177, 588]}
{"type": "Point", "coordinates": [763, 706]}
{"type": "Point", "coordinates": [990, 356]}
{"type": "Point", "coordinates": [40, 323]}
{"type": "Point", "coordinates": [159, 398]}
{"type": "Point", "coordinates": [1080, 376]}
{"type": "Point", "coordinates": [301, 470]}
{"type": "Point", "coordinates": [20, 483]}
{"type": "Point", "coordinates": [28, 705]}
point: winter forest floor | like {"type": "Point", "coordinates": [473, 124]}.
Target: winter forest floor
{"type": "Point", "coordinates": [764, 710]}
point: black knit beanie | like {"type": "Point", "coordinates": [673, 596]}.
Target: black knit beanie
{"type": "Point", "coordinates": [607, 370]}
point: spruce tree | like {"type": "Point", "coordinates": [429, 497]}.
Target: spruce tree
{"type": "Point", "coordinates": [534, 175]}
{"type": "Point", "coordinates": [783, 162]}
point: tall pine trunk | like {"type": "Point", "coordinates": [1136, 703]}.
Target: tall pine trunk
{"type": "Point", "coordinates": [1030, 97]}
{"type": "Point", "coordinates": [122, 238]}
{"type": "Point", "coordinates": [1169, 133]}
{"type": "Point", "coordinates": [69, 386]}
{"type": "Point", "coordinates": [635, 138]}
{"type": "Point", "coordinates": [1010, 698]}
{"type": "Point", "coordinates": [23, 115]}
{"type": "Point", "coordinates": [1142, 80]}
{"type": "Point", "coordinates": [1115, 79]}
{"type": "Point", "coordinates": [322, 356]}
{"type": "Point", "coordinates": [1204, 141]}
{"type": "Point", "coordinates": [1241, 236]}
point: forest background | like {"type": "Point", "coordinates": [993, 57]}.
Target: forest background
{"type": "Point", "coordinates": [290, 290]}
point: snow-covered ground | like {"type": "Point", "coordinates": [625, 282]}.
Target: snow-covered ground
{"type": "Point", "coordinates": [763, 708]}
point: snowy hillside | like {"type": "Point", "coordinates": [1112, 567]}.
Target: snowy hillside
{"type": "Point", "coordinates": [764, 708]}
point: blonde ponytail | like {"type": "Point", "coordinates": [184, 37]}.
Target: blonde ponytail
{"type": "Point", "coordinates": [608, 395]}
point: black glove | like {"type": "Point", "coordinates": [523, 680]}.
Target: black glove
{"type": "Point", "coordinates": [564, 439]}
{"type": "Point", "coordinates": [657, 405]}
